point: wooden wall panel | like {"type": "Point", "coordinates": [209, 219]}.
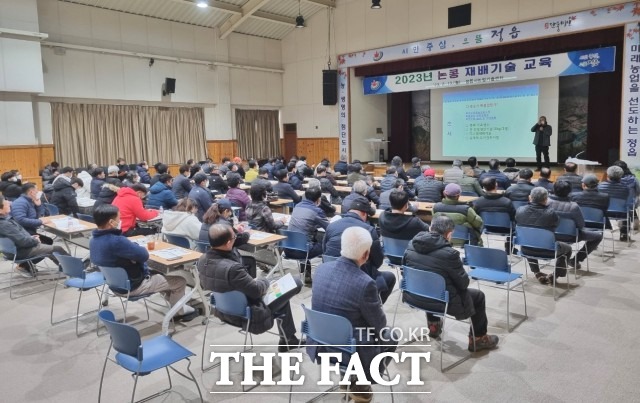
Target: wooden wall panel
{"type": "Point", "coordinates": [217, 149]}
{"type": "Point", "coordinates": [28, 159]}
{"type": "Point", "coordinates": [315, 149]}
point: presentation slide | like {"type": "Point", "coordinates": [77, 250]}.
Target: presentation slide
{"type": "Point", "coordinates": [485, 121]}
{"type": "Point", "coordinates": [493, 120]}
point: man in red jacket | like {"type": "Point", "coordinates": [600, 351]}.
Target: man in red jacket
{"type": "Point", "coordinates": [129, 202]}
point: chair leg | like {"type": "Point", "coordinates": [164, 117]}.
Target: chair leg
{"type": "Point", "coordinates": [508, 315]}
{"type": "Point", "coordinates": [193, 378]}
{"type": "Point", "coordinates": [146, 307]}
{"type": "Point", "coordinates": [78, 313]}
{"type": "Point", "coordinates": [104, 367]}
{"type": "Point", "coordinates": [395, 311]}
{"type": "Point", "coordinates": [53, 300]}
{"type": "Point", "coordinates": [135, 384]}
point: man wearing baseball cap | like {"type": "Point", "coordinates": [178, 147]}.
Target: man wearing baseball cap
{"type": "Point", "coordinates": [460, 213]}
{"type": "Point", "coordinates": [357, 217]}
{"type": "Point", "coordinates": [429, 189]}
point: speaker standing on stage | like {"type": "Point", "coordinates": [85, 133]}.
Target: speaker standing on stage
{"type": "Point", "coordinates": [542, 141]}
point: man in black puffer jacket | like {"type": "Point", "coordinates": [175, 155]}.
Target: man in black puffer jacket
{"type": "Point", "coordinates": [64, 192]}
{"type": "Point", "coordinates": [221, 270]}
{"type": "Point", "coordinates": [431, 251]}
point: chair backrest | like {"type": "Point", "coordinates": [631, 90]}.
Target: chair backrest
{"type": "Point", "coordinates": [327, 258]}
{"type": "Point", "coordinates": [86, 217]}
{"type": "Point", "coordinates": [395, 247]}
{"type": "Point", "coordinates": [461, 232]}
{"type": "Point", "coordinates": [496, 221]}
{"type": "Point", "coordinates": [178, 240]}
{"type": "Point", "coordinates": [424, 284]}
{"type": "Point", "coordinates": [295, 240]}
{"type": "Point", "coordinates": [116, 277]}
{"type": "Point", "coordinates": [329, 330]}
{"type": "Point", "coordinates": [536, 238]}
{"type": "Point", "coordinates": [567, 227]}
{"type": "Point", "coordinates": [51, 209]}
{"type": "Point", "coordinates": [487, 258]}
{"type": "Point", "coordinates": [71, 266]}
{"type": "Point", "coordinates": [617, 206]}
{"type": "Point", "coordinates": [125, 338]}
{"type": "Point", "coordinates": [517, 204]}
{"type": "Point", "coordinates": [7, 247]}
{"type": "Point", "coordinates": [467, 193]}
{"type": "Point", "coordinates": [202, 247]}
{"type": "Point", "coordinates": [593, 216]}
{"type": "Point", "coordinates": [231, 303]}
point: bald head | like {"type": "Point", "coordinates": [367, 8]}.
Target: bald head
{"type": "Point", "coordinates": [221, 236]}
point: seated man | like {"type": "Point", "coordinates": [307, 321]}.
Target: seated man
{"type": "Point", "coordinates": [327, 184]}
{"type": "Point", "coordinates": [28, 211]}
{"type": "Point", "coordinates": [396, 224]}
{"type": "Point", "coordinates": [469, 183]}
{"type": "Point", "coordinates": [341, 288]}
{"type": "Point", "coordinates": [389, 180]}
{"type": "Point", "coordinates": [96, 182]}
{"type": "Point", "coordinates": [221, 270]}
{"type": "Point", "coordinates": [538, 214]}
{"type": "Point", "coordinates": [358, 192]}
{"type": "Point", "coordinates": [519, 192]}
{"type": "Point", "coordinates": [181, 183]}
{"type": "Point", "coordinates": [543, 181]}
{"type": "Point", "coordinates": [590, 196]}
{"type": "Point", "coordinates": [562, 204]}
{"type": "Point", "coordinates": [283, 188]}
{"type": "Point", "coordinates": [161, 194]}
{"type": "Point", "coordinates": [571, 176]}
{"type": "Point", "coordinates": [64, 193]}
{"type": "Point", "coordinates": [129, 203]}
{"type": "Point", "coordinates": [237, 196]}
{"type": "Point", "coordinates": [431, 251]}
{"type": "Point", "coordinates": [109, 248]}
{"type": "Point", "coordinates": [295, 177]}
{"type": "Point", "coordinates": [258, 211]}
{"type": "Point", "coordinates": [614, 187]}
{"type": "Point", "coordinates": [263, 179]}
{"type": "Point", "coordinates": [355, 173]}
{"type": "Point", "coordinates": [428, 189]}
{"type": "Point", "coordinates": [201, 194]}
{"type": "Point", "coordinates": [453, 174]}
{"type": "Point", "coordinates": [494, 171]}
{"type": "Point", "coordinates": [415, 170]}
{"type": "Point", "coordinates": [511, 171]}
{"type": "Point", "coordinates": [494, 201]}
{"type": "Point", "coordinates": [473, 164]}
{"type": "Point", "coordinates": [27, 245]}
{"type": "Point", "coordinates": [252, 173]}
{"type": "Point", "coordinates": [460, 213]}
{"type": "Point", "coordinates": [325, 204]}
{"type": "Point", "coordinates": [356, 217]}
{"type": "Point", "coordinates": [216, 182]}
{"type": "Point", "coordinates": [307, 217]}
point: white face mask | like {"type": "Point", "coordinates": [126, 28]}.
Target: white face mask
{"type": "Point", "coordinates": [119, 226]}
{"type": "Point", "coordinates": [206, 184]}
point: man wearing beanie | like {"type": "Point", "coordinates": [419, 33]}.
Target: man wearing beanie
{"type": "Point", "coordinates": [460, 213]}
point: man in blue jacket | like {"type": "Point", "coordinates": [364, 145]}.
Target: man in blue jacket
{"type": "Point", "coordinates": [143, 172]}
{"type": "Point", "coordinates": [284, 189]}
{"type": "Point", "coordinates": [356, 217]}
{"type": "Point", "coordinates": [181, 184]}
{"type": "Point", "coordinates": [109, 248]}
{"type": "Point", "coordinates": [28, 211]}
{"type": "Point", "coordinates": [27, 245]}
{"type": "Point", "coordinates": [201, 194]}
{"type": "Point", "coordinates": [161, 195]}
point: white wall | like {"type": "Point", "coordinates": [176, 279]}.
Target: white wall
{"type": "Point", "coordinates": [358, 27]}
{"type": "Point", "coordinates": [375, 110]}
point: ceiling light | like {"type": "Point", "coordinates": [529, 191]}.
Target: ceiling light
{"type": "Point", "coordinates": [202, 3]}
{"type": "Point", "coordinates": [375, 4]}
{"type": "Point", "coordinates": [299, 18]}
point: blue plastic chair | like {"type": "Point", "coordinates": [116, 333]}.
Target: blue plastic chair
{"type": "Point", "coordinates": [333, 331]}
{"type": "Point", "coordinates": [518, 204]}
{"type": "Point", "coordinates": [202, 247]}
{"type": "Point", "coordinates": [295, 241]}
{"type": "Point", "coordinates": [461, 233]}
{"type": "Point", "coordinates": [327, 258]}
{"type": "Point", "coordinates": [233, 303]}
{"type": "Point", "coordinates": [496, 223]}
{"type": "Point", "coordinates": [538, 239]}
{"type": "Point", "coordinates": [8, 249]}
{"type": "Point", "coordinates": [118, 281]}
{"type": "Point", "coordinates": [595, 220]}
{"type": "Point", "coordinates": [432, 286]}
{"type": "Point", "coordinates": [51, 209]}
{"type": "Point", "coordinates": [492, 265]}
{"type": "Point", "coordinates": [567, 231]}
{"type": "Point", "coordinates": [178, 240]}
{"type": "Point", "coordinates": [394, 249]}
{"type": "Point", "coordinates": [79, 279]}
{"type": "Point", "coordinates": [619, 210]}
{"type": "Point", "coordinates": [142, 358]}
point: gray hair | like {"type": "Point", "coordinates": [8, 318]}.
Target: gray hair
{"type": "Point", "coordinates": [313, 183]}
{"type": "Point", "coordinates": [442, 224]}
{"type": "Point", "coordinates": [355, 241]}
{"type": "Point", "coordinates": [615, 173]}
{"type": "Point", "coordinates": [425, 166]}
{"type": "Point", "coordinates": [360, 187]}
{"type": "Point", "coordinates": [539, 195]}
{"type": "Point", "coordinates": [457, 163]}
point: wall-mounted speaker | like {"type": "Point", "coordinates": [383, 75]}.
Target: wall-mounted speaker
{"type": "Point", "coordinates": [169, 86]}
{"type": "Point", "coordinates": [329, 87]}
{"type": "Point", "coordinates": [459, 16]}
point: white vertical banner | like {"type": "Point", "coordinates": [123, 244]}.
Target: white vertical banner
{"type": "Point", "coordinates": [631, 96]}
{"type": "Point", "coordinates": [343, 110]}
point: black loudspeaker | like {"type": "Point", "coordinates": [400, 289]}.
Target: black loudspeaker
{"type": "Point", "coordinates": [169, 86]}
{"type": "Point", "coordinates": [329, 87]}
{"type": "Point", "coordinates": [460, 16]}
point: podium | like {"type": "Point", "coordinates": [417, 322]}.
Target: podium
{"type": "Point", "coordinates": [584, 166]}
{"type": "Point", "coordinates": [375, 145]}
